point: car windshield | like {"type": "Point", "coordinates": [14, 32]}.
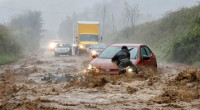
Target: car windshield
{"type": "Point", "coordinates": [109, 52]}
{"type": "Point", "coordinates": [62, 45]}
{"type": "Point", "coordinates": [98, 46]}
{"type": "Point", "coordinates": [89, 37]}
{"type": "Point", "coordinates": [57, 41]}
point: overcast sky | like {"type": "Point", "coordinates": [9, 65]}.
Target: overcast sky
{"type": "Point", "coordinates": [55, 11]}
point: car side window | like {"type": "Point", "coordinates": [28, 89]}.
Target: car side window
{"type": "Point", "coordinates": [148, 51]}
{"type": "Point", "coordinates": [142, 51]}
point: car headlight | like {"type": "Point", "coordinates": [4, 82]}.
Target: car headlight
{"type": "Point", "coordinates": [93, 52]}
{"type": "Point", "coordinates": [90, 67]}
{"type": "Point", "coordinates": [130, 70]}
{"type": "Point", "coordinates": [75, 45]}
{"type": "Point", "coordinates": [52, 45]}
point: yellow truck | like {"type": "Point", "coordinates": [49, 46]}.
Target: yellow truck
{"type": "Point", "coordinates": [85, 34]}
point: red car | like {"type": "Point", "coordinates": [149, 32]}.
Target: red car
{"type": "Point", "coordinates": [141, 56]}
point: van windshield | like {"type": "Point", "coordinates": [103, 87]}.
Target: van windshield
{"type": "Point", "coordinates": [89, 37]}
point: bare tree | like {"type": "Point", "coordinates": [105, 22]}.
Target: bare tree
{"type": "Point", "coordinates": [130, 14]}
{"type": "Point", "coordinates": [113, 23]}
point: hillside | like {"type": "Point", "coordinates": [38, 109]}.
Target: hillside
{"type": "Point", "coordinates": [174, 38]}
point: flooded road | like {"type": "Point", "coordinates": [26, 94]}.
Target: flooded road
{"type": "Point", "coordinates": [44, 82]}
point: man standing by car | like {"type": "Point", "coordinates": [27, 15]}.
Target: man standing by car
{"type": "Point", "coordinates": [122, 59]}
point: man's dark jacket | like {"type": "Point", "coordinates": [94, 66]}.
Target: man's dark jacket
{"type": "Point", "coordinates": [122, 58]}
{"type": "Point", "coordinates": [122, 54]}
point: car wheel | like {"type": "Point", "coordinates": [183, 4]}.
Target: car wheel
{"type": "Point", "coordinates": [69, 53]}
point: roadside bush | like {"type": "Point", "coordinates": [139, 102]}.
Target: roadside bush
{"type": "Point", "coordinates": [9, 49]}
{"type": "Point", "coordinates": [20, 37]}
{"type": "Point", "coordinates": [186, 49]}
{"type": "Point", "coordinates": [26, 30]}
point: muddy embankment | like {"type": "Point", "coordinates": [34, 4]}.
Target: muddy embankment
{"type": "Point", "coordinates": [45, 82]}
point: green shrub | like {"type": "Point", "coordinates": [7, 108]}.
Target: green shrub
{"type": "Point", "coordinates": [7, 58]}
{"type": "Point", "coordinates": [20, 37]}
{"type": "Point", "coordinates": [186, 49]}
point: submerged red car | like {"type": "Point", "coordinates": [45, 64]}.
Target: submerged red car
{"type": "Point", "coordinates": [141, 56]}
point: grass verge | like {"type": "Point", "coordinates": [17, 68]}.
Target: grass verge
{"type": "Point", "coordinates": [8, 58]}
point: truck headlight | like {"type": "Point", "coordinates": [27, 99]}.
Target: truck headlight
{"type": "Point", "coordinates": [81, 46]}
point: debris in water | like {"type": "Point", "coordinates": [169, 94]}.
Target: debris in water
{"type": "Point", "coordinates": [131, 90]}
{"type": "Point", "coordinates": [50, 77]}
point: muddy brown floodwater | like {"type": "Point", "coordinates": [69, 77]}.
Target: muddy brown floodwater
{"type": "Point", "coordinates": [44, 82]}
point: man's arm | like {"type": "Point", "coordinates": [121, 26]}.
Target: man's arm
{"type": "Point", "coordinates": [115, 58]}
{"type": "Point", "coordinates": [128, 54]}
{"type": "Point", "coordinates": [130, 49]}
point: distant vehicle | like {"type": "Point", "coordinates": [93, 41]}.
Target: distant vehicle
{"type": "Point", "coordinates": [141, 56]}
{"type": "Point", "coordinates": [62, 49]}
{"type": "Point", "coordinates": [85, 34]}
{"type": "Point", "coordinates": [96, 48]}
{"type": "Point", "coordinates": [52, 45]}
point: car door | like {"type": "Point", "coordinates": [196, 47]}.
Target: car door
{"type": "Point", "coordinates": [142, 63]}
{"type": "Point", "coordinates": [152, 60]}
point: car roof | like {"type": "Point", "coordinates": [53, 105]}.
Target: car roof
{"type": "Point", "coordinates": [66, 43]}
{"type": "Point", "coordinates": [120, 45]}
{"type": "Point", "coordinates": [57, 41]}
